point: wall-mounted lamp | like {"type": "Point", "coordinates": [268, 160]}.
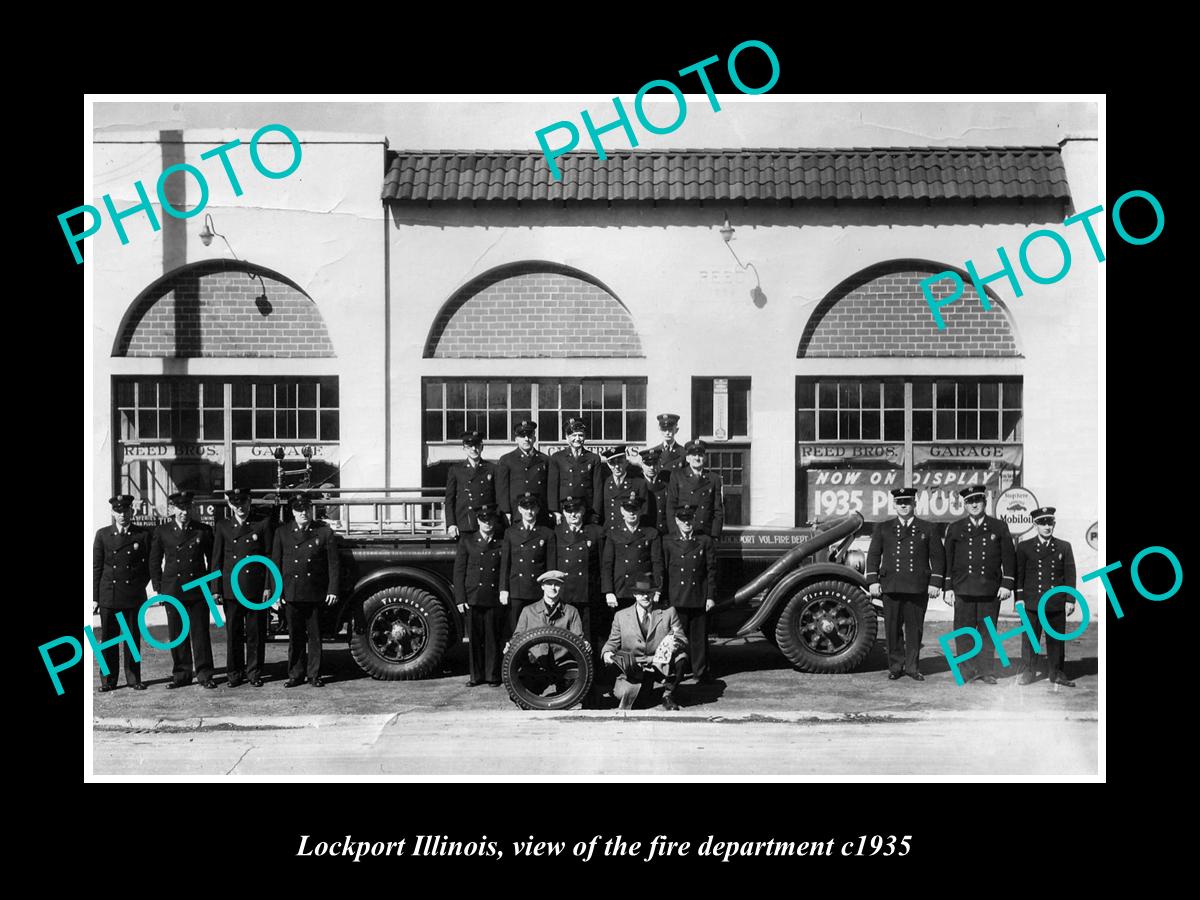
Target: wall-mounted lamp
{"type": "Point", "coordinates": [757, 294]}
{"type": "Point", "coordinates": [206, 236]}
{"type": "Point", "coordinates": [726, 230]}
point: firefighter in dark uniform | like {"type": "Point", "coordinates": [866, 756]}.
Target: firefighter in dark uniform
{"type": "Point", "coordinates": [527, 552]}
{"type": "Point", "coordinates": [181, 551]}
{"type": "Point", "coordinates": [631, 551]}
{"type": "Point", "coordinates": [525, 470]}
{"type": "Point", "coordinates": [477, 593]}
{"type": "Point", "coordinates": [690, 581]}
{"type": "Point", "coordinates": [617, 484]}
{"type": "Point", "coordinates": [306, 554]}
{"type": "Point", "coordinates": [120, 571]}
{"type": "Point", "coordinates": [469, 485]}
{"type": "Point", "coordinates": [574, 471]}
{"type": "Point", "coordinates": [235, 538]}
{"type": "Point", "coordinates": [691, 485]}
{"type": "Point", "coordinates": [1044, 562]}
{"type": "Point", "coordinates": [904, 566]}
{"type": "Point", "coordinates": [579, 549]}
{"type": "Point", "coordinates": [980, 575]}
{"type": "Point", "coordinates": [657, 465]}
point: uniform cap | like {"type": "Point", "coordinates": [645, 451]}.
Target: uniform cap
{"type": "Point", "coordinates": [484, 511]}
{"type": "Point", "coordinates": [971, 493]}
{"type": "Point", "coordinates": [695, 447]}
{"type": "Point", "coordinates": [686, 511]}
{"type": "Point", "coordinates": [668, 420]}
{"type": "Point", "coordinates": [473, 438]}
{"type": "Point", "coordinates": [575, 425]}
{"type": "Point", "coordinates": [573, 504]}
{"type": "Point", "coordinates": [900, 494]}
{"type": "Point", "coordinates": [181, 499]}
{"type": "Point", "coordinates": [1043, 513]}
{"type": "Point", "coordinates": [529, 501]}
{"type": "Point", "coordinates": [300, 501]}
{"type": "Point", "coordinates": [525, 428]}
{"type": "Point", "coordinates": [237, 495]}
{"type": "Point", "coordinates": [615, 455]}
{"type": "Point", "coordinates": [632, 502]}
{"type": "Point", "coordinates": [120, 502]}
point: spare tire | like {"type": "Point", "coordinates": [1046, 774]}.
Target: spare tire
{"type": "Point", "coordinates": [534, 685]}
{"type": "Point", "coordinates": [828, 627]}
{"type": "Point", "coordinates": [402, 635]}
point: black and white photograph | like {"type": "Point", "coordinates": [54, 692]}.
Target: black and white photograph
{"type": "Point", "coordinates": [695, 434]}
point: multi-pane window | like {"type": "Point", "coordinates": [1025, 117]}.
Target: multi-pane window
{"type": "Point", "coordinates": [849, 409]}
{"type": "Point", "coordinates": [962, 410]}
{"type": "Point", "coordinates": [170, 410]}
{"type": "Point", "coordinates": [613, 408]}
{"type": "Point", "coordinates": [283, 410]}
{"type": "Point", "coordinates": [703, 409]}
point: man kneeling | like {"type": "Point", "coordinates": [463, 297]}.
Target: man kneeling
{"type": "Point", "coordinates": [646, 645]}
{"type": "Point", "coordinates": [550, 675]}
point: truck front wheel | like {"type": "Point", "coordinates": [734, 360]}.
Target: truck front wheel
{"type": "Point", "coordinates": [404, 635]}
{"type": "Point", "coordinates": [827, 627]}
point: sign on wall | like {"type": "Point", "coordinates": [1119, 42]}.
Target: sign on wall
{"type": "Point", "coordinates": [1015, 509]}
{"type": "Point", "coordinates": [165, 450]}
{"type": "Point", "coordinates": [840, 492]}
{"type": "Point", "coordinates": [1010, 455]}
{"type": "Point", "coordinates": [848, 452]}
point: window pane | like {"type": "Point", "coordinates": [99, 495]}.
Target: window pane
{"type": "Point", "coordinates": [455, 398]}
{"type": "Point", "coordinates": [433, 394]}
{"type": "Point", "coordinates": [923, 395]}
{"type": "Point", "coordinates": [806, 430]}
{"type": "Point", "coordinates": [329, 393]}
{"type": "Point", "coordinates": [968, 395]}
{"type": "Point", "coordinates": [241, 425]}
{"type": "Point", "coordinates": [591, 395]}
{"type": "Point", "coordinates": [612, 395]}
{"type": "Point", "coordinates": [241, 395]}
{"type": "Point", "coordinates": [922, 425]}
{"type": "Point", "coordinates": [945, 395]}
{"type": "Point", "coordinates": [989, 395]}
{"type": "Point", "coordinates": [806, 394]}
{"type": "Point", "coordinates": [148, 422]}
{"type": "Point", "coordinates": [264, 424]}
{"type": "Point", "coordinates": [187, 425]}
{"type": "Point", "coordinates": [893, 395]}
{"type": "Point", "coordinates": [477, 421]}
{"type": "Point", "coordinates": [635, 395]}
{"type": "Point", "coordinates": [704, 414]}
{"type": "Point", "coordinates": [497, 395]}
{"type": "Point", "coordinates": [827, 430]}
{"type": "Point", "coordinates": [968, 426]}
{"type": "Point", "coordinates": [848, 395]}
{"type": "Point", "coordinates": [945, 425]}
{"type": "Point", "coordinates": [1012, 395]}
{"type": "Point", "coordinates": [214, 394]}
{"type": "Point", "coordinates": [548, 429]}
{"type": "Point", "coordinates": [828, 395]}
{"type": "Point", "coordinates": [285, 424]}
{"type": "Point", "coordinates": [1012, 424]}
{"type": "Point", "coordinates": [522, 392]}
{"type": "Point", "coordinates": [147, 393]}
{"type": "Point", "coordinates": [455, 424]}
{"type": "Point", "coordinates": [285, 395]}
{"type": "Point", "coordinates": [848, 426]}
{"type": "Point", "coordinates": [497, 425]}
{"type": "Point", "coordinates": [612, 425]}
{"type": "Point", "coordinates": [635, 426]}
{"type": "Point", "coordinates": [594, 424]}
{"type": "Point", "coordinates": [870, 395]}
{"type": "Point", "coordinates": [329, 424]}
{"type": "Point", "coordinates": [264, 395]}
{"type": "Point", "coordinates": [306, 427]}
{"type": "Point", "coordinates": [476, 395]}
{"type": "Point", "coordinates": [739, 410]}
{"type": "Point", "coordinates": [123, 393]}
{"type": "Point", "coordinates": [165, 394]}
{"type": "Point", "coordinates": [126, 425]}
{"type": "Point", "coordinates": [893, 425]}
{"type": "Point", "coordinates": [547, 395]}
{"type": "Point", "coordinates": [306, 395]}
{"type": "Point", "coordinates": [989, 425]}
{"type": "Point", "coordinates": [570, 395]}
{"type": "Point", "coordinates": [433, 425]}
{"type": "Point", "coordinates": [870, 425]}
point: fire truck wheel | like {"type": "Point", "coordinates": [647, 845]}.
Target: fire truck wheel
{"type": "Point", "coordinates": [405, 634]}
{"type": "Point", "coordinates": [541, 681]}
{"type": "Point", "coordinates": [827, 627]}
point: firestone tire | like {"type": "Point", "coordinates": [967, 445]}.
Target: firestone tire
{"type": "Point", "coordinates": [827, 627]}
{"type": "Point", "coordinates": [577, 654]}
{"type": "Point", "coordinates": [405, 634]}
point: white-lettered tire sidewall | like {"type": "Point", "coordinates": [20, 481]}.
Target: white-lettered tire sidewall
{"type": "Point", "coordinates": [437, 627]}
{"type": "Point", "coordinates": [803, 657]}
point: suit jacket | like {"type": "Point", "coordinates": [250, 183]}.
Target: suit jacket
{"type": "Point", "coordinates": [979, 561]}
{"type": "Point", "coordinates": [233, 542]}
{"type": "Point", "coordinates": [704, 492]}
{"type": "Point", "coordinates": [179, 555]}
{"type": "Point", "coordinates": [626, 634]}
{"type": "Point", "coordinates": [308, 560]}
{"type": "Point", "coordinates": [628, 555]}
{"type": "Point", "coordinates": [466, 487]}
{"type": "Point", "coordinates": [525, 554]}
{"type": "Point", "coordinates": [579, 555]}
{"type": "Point", "coordinates": [120, 567]}
{"type": "Point", "coordinates": [571, 477]}
{"type": "Point", "coordinates": [1041, 567]}
{"type": "Point", "coordinates": [517, 474]}
{"type": "Point", "coordinates": [906, 560]}
{"type": "Point", "coordinates": [534, 616]}
{"type": "Point", "coordinates": [690, 569]}
{"type": "Point", "coordinates": [608, 500]}
{"type": "Point", "coordinates": [477, 570]}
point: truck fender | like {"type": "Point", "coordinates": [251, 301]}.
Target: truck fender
{"type": "Point", "coordinates": [382, 578]}
{"type": "Point", "coordinates": [788, 585]}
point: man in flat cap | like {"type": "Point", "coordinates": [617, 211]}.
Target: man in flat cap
{"type": "Point", "coordinates": [527, 550]}
{"type": "Point", "coordinates": [578, 551]}
{"type": "Point", "coordinates": [1045, 562]}
{"type": "Point", "coordinates": [477, 593]}
{"type": "Point", "coordinates": [904, 566]}
{"type": "Point", "coordinates": [469, 485]}
{"type": "Point", "coordinates": [550, 674]}
{"type": "Point", "coordinates": [692, 485]}
{"type": "Point", "coordinates": [630, 551]}
{"type": "Point", "coordinates": [239, 535]}
{"type": "Point", "coordinates": [120, 571]}
{"type": "Point", "coordinates": [525, 470]}
{"type": "Point", "coordinates": [646, 645]}
{"type": "Point", "coordinates": [306, 554]}
{"type": "Point", "coordinates": [181, 551]}
{"type": "Point", "coordinates": [616, 485]}
{"type": "Point", "coordinates": [980, 575]}
{"type": "Point", "coordinates": [574, 471]}
{"type": "Point", "coordinates": [690, 583]}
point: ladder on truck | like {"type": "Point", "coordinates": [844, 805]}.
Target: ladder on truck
{"type": "Point", "coordinates": [394, 512]}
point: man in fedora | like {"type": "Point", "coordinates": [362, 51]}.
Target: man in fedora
{"type": "Point", "coordinates": [1044, 562]}
{"type": "Point", "coordinates": [904, 566]}
{"type": "Point", "coordinates": [181, 551]}
{"type": "Point", "coordinates": [638, 634]}
{"type": "Point", "coordinates": [120, 570]}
